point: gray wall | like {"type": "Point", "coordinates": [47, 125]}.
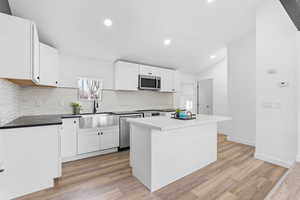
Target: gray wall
{"type": "Point", "coordinates": [4, 7]}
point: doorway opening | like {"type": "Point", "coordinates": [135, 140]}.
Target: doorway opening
{"type": "Point", "coordinates": [205, 97]}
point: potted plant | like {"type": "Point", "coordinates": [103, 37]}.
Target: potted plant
{"type": "Point", "coordinates": [76, 108]}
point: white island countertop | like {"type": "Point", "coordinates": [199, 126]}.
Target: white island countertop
{"type": "Point", "coordinates": [164, 123]}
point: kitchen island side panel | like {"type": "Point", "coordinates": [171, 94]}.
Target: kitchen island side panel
{"type": "Point", "coordinates": [140, 153]}
{"type": "Point", "coordinates": [178, 153]}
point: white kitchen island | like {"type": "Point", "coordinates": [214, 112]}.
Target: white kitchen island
{"type": "Point", "coordinates": [163, 150]}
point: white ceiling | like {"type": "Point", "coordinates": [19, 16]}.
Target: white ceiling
{"type": "Point", "coordinates": [197, 29]}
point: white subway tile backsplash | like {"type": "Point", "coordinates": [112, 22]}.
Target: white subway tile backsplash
{"type": "Point", "coordinates": [9, 101]}
{"type": "Point", "coordinates": [19, 101]}
{"type": "Point", "coordinates": [35, 100]}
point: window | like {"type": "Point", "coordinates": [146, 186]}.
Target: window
{"type": "Point", "coordinates": [89, 89]}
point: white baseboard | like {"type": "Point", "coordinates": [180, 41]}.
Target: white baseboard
{"type": "Point", "coordinates": [240, 140]}
{"type": "Point", "coordinates": [273, 160]}
{"type": "Point", "coordinates": [278, 184]}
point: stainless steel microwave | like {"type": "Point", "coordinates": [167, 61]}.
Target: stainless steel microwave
{"type": "Point", "coordinates": [149, 82]}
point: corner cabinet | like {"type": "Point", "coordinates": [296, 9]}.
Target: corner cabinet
{"type": "Point", "coordinates": [126, 76]}
{"type": "Point", "coordinates": [24, 60]}
{"type": "Point", "coordinates": [31, 160]}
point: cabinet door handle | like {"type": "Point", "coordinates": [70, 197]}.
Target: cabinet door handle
{"type": "Point", "coordinates": [2, 170]}
{"type": "Point", "coordinates": [101, 133]}
{"type": "Point", "coordinates": [74, 122]}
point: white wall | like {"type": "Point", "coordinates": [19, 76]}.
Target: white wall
{"type": "Point", "coordinates": [241, 88]}
{"type": "Point", "coordinates": [298, 94]}
{"type": "Point", "coordinates": [188, 79]}
{"type": "Point", "coordinates": [276, 112]}
{"type": "Point", "coordinates": [9, 104]}
{"type": "Point", "coordinates": [218, 72]}
{"type": "Point", "coordinates": [73, 67]}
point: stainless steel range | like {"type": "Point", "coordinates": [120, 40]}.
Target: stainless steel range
{"type": "Point", "coordinates": [150, 113]}
{"type": "Point", "coordinates": [156, 112]}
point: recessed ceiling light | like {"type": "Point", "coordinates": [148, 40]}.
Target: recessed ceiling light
{"type": "Point", "coordinates": [210, 1]}
{"type": "Point", "coordinates": [108, 22]}
{"type": "Point", "coordinates": [167, 42]}
{"type": "Point", "coordinates": [212, 56]}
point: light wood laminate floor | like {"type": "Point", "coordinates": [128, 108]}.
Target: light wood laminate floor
{"type": "Point", "coordinates": [236, 175]}
{"type": "Point", "coordinates": [290, 187]}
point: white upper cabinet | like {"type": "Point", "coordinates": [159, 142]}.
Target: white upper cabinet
{"type": "Point", "coordinates": [48, 66]}
{"type": "Point", "coordinates": [167, 80]}
{"type": "Point", "coordinates": [126, 76]}
{"type": "Point", "coordinates": [19, 49]}
{"type": "Point", "coordinates": [149, 70]}
{"type": "Point", "coordinates": [24, 60]}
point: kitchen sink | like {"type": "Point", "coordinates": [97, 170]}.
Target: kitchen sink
{"type": "Point", "coordinates": [98, 121]}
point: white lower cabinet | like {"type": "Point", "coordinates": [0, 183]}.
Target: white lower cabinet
{"type": "Point", "coordinates": [88, 140]}
{"type": "Point", "coordinates": [109, 138]}
{"type": "Point", "coordinates": [31, 160]}
{"type": "Point", "coordinates": [91, 140]}
{"type": "Point", "coordinates": [69, 138]}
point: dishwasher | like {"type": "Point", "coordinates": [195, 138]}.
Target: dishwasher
{"type": "Point", "coordinates": [125, 129]}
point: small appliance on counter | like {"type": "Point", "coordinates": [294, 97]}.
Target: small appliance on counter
{"type": "Point", "coordinates": [184, 115]}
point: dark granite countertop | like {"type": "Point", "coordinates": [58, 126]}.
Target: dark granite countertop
{"type": "Point", "coordinates": [32, 121]}
{"type": "Point", "coordinates": [50, 120]}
